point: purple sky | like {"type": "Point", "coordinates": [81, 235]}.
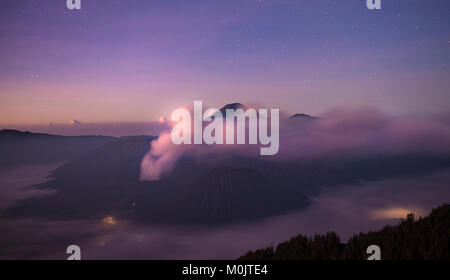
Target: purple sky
{"type": "Point", "coordinates": [134, 61]}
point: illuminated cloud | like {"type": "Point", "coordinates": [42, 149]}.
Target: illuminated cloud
{"type": "Point", "coordinates": [75, 123]}
{"type": "Point", "coordinates": [162, 119]}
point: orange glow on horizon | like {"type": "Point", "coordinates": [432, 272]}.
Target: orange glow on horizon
{"type": "Point", "coordinates": [396, 213]}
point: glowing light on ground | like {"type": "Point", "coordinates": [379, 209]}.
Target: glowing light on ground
{"type": "Point", "coordinates": [109, 220]}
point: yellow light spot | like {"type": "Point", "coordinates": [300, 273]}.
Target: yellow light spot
{"type": "Point", "coordinates": [109, 220]}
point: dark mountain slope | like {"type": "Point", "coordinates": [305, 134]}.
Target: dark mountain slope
{"type": "Point", "coordinates": [231, 194]}
{"type": "Point", "coordinates": [18, 147]}
{"type": "Point", "coordinates": [106, 182]}
{"type": "Point", "coordinates": [119, 158]}
{"type": "Point", "coordinates": [103, 182]}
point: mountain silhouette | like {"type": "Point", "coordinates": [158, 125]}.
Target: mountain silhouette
{"type": "Point", "coordinates": [232, 106]}
{"type": "Point", "coordinates": [301, 116]}
{"type": "Point", "coordinates": [102, 178]}
{"type": "Point", "coordinates": [17, 147]}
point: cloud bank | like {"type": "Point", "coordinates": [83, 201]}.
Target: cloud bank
{"type": "Point", "coordinates": [341, 132]}
{"type": "Point", "coordinates": [347, 211]}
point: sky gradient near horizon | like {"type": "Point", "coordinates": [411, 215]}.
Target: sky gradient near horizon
{"type": "Point", "coordinates": [134, 61]}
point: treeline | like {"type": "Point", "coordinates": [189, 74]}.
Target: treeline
{"type": "Point", "coordinates": [423, 239]}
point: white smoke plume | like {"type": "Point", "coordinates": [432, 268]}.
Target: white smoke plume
{"type": "Point", "coordinates": [359, 131]}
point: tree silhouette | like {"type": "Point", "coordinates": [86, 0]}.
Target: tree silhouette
{"type": "Point", "coordinates": [426, 239]}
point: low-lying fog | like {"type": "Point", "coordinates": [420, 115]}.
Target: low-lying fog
{"type": "Point", "coordinates": [346, 210]}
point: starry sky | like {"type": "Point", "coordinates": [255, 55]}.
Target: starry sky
{"type": "Point", "coordinates": [137, 60]}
